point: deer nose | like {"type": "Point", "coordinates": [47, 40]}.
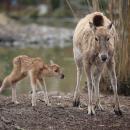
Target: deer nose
{"type": "Point", "coordinates": [104, 58]}
{"type": "Point", "coordinates": [62, 76]}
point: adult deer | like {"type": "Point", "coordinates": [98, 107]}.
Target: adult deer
{"type": "Point", "coordinates": [94, 47]}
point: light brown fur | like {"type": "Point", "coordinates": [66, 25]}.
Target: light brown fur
{"type": "Point", "coordinates": [94, 47]}
{"type": "Point", "coordinates": [36, 69]}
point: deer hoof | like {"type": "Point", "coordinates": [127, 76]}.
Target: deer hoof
{"type": "Point", "coordinates": [118, 112]}
{"type": "Point", "coordinates": [99, 107]}
{"type": "Point", "coordinates": [48, 104]}
{"type": "Point", "coordinates": [91, 110]}
{"type": "Point", "coordinates": [76, 102]}
{"type": "Point", "coordinates": [16, 102]}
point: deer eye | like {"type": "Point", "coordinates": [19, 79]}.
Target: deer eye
{"type": "Point", "coordinates": [96, 39]}
{"type": "Point", "coordinates": [56, 70]}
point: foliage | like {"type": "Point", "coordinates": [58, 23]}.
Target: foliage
{"type": "Point", "coordinates": [55, 4]}
{"type": "Point", "coordinates": [28, 2]}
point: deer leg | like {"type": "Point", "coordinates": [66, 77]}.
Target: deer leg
{"type": "Point", "coordinates": [88, 71]}
{"type": "Point", "coordinates": [46, 95]}
{"type": "Point", "coordinates": [4, 84]}
{"type": "Point", "coordinates": [2, 87]}
{"type": "Point", "coordinates": [76, 100]}
{"type": "Point", "coordinates": [33, 85]}
{"type": "Point", "coordinates": [40, 84]}
{"type": "Point", "coordinates": [96, 81]}
{"type": "Point", "coordinates": [14, 97]}
{"type": "Point", "coordinates": [112, 73]}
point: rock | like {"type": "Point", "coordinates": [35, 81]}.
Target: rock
{"type": "Point", "coordinates": [34, 35]}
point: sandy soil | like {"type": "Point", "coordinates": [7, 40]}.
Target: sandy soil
{"type": "Point", "coordinates": [61, 115]}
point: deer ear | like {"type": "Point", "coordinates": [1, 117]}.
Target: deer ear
{"type": "Point", "coordinates": [51, 62]}
{"type": "Point", "coordinates": [92, 26]}
{"type": "Point", "coordinates": [110, 26]}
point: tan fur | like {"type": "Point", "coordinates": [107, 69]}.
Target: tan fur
{"type": "Point", "coordinates": [36, 69]}
{"type": "Point", "coordinates": [94, 47]}
{"type": "Point", "coordinates": [84, 34]}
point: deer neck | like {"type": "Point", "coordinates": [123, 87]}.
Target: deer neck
{"type": "Point", "coordinates": [47, 71]}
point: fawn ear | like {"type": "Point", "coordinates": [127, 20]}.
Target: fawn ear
{"type": "Point", "coordinates": [51, 62]}
{"type": "Point", "coordinates": [110, 25]}
{"type": "Point", "coordinates": [92, 26]}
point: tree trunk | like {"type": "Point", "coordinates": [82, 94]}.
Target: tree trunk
{"type": "Point", "coordinates": [95, 4]}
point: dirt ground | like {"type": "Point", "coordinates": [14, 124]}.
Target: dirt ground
{"type": "Point", "coordinates": [61, 115]}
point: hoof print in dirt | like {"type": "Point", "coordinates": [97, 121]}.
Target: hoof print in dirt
{"type": "Point", "coordinates": [76, 103]}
